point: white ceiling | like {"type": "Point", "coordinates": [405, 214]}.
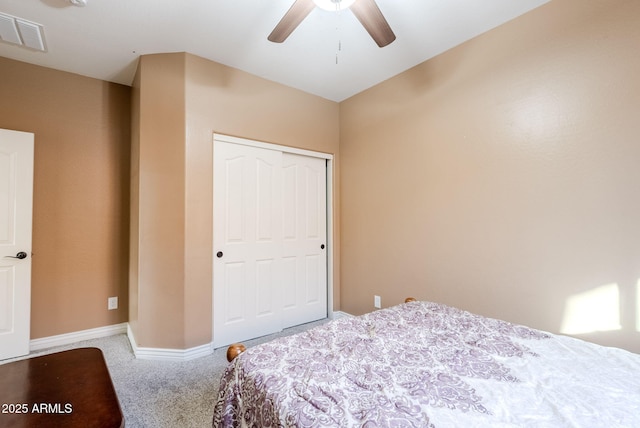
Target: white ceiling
{"type": "Point", "coordinates": [105, 38]}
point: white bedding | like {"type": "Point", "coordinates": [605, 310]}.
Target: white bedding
{"type": "Point", "coordinates": [424, 364]}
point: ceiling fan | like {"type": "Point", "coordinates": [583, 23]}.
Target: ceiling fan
{"type": "Point", "coordinates": [367, 12]}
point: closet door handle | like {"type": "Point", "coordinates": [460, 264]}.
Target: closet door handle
{"type": "Point", "coordinates": [322, 247]}
{"type": "Point", "coordinates": [219, 254]}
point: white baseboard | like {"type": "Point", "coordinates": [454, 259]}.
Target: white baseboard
{"type": "Point", "coordinates": [339, 314]}
{"type": "Point", "coordinates": [159, 354]}
{"type": "Point", "coordinates": [77, 336]}
{"type": "Point", "coordinates": [162, 354]}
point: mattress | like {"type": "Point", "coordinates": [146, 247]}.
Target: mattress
{"type": "Point", "coordinates": [424, 364]}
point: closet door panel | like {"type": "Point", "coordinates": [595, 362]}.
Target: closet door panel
{"type": "Point", "coordinates": [306, 239]}
{"type": "Point", "coordinates": [247, 233]}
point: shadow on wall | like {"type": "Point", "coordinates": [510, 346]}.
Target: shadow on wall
{"type": "Point", "coordinates": [599, 310]}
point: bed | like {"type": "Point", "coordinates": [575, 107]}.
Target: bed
{"type": "Point", "coordinates": [423, 364]}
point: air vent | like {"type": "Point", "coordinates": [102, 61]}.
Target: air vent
{"type": "Point", "coordinates": [21, 32]}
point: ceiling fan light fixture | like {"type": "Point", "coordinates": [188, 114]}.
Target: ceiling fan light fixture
{"type": "Point", "coordinates": [333, 5]}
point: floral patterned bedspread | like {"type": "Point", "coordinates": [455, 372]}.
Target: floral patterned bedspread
{"type": "Point", "coordinates": [424, 364]}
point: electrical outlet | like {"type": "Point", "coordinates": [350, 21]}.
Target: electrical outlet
{"type": "Point", "coordinates": [377, 303]}
{"type": "Point", "coordinates": [112, 303]}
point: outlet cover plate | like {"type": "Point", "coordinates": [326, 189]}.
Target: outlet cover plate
{"type": "Point", "coordinates": [112, 303]}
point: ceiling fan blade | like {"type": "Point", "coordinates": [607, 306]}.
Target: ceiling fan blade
{"type": "Point", "coordinates": [372, 19]}
{"type": "Point", "coordinates": [290, 21]}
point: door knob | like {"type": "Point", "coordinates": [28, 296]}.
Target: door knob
{"type": "Point", "coordinates": [219, 254]}
{"type": "Point", "coordinates": [322, 247]}
{"type": "Point", "coordinates": [20, 255]}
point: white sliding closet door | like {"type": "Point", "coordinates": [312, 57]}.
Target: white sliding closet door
{"type": "Point", "coordinates": [247, 242]}
{"type": "Point", "coordinates": [270, 229]}
{"type": "Point", "coordinates": [304, 259]}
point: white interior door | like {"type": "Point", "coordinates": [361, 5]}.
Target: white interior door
{"type": "Point", "coordinates": [247, 242]}
{"type": "Point", "coordinates": [16, 196]}
{"type": "Point", "coordinates": [304, 257]}
{"type": "Point", "coordinates": [270, 248]}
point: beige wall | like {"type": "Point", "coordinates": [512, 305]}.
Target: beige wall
{"type": "Point", "coordinates": [157, 216]}
{"type": "Point", "coordinates": [502, 176]}
{"type": "Point", "coordinates": [81, 195]}
{"type": "Point", "coordinates": [499, 177]}
{"type": "Point", "coordinates": [183, 100]}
